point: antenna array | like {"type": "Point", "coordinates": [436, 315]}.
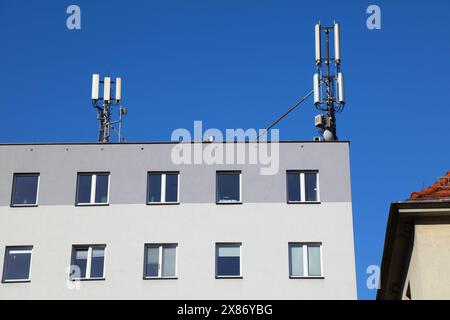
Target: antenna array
{"type": "Point", "coordinates": [105, 106]}
{"type": "Point", "coordinates": [328, 81]}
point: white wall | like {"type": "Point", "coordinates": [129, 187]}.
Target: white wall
{"type": "Point", "coordinates": [264, 230]}
{"type": "Point", "coordinates": [429, 265]}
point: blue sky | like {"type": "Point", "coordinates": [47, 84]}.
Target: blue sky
{"type": "Point", "coordinates": [240, 64]}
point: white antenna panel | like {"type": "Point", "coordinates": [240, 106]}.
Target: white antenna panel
{"type": "Point", "coordinates": [118, 89]}
{"type": "Point", "coordinates": [318, 48]}
{"type": "Point", "coordinates": [95, 86]}
{"type": "Point", "coordinates": [107, 89]}
{"type": "Point", "coordinates": [340, 84]}
{"type": "Point", "coordinates": [316, 85]}
{"type": "Point", "coordinates": [337, 44]}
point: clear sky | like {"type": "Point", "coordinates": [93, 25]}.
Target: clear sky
{"type": "Point", "coordinates": [240, 64]}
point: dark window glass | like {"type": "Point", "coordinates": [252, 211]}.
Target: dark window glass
{"type": "Point", "coordinates": [311, 186]}
{"type": "Point", "coordinates": [293, 186]}
{"type": "Point", "coordinates": [80, 258]}
{"type": "Point", "coordinates": [25, 189]}
{"type": "Point", "coordinates": [17, 264]}
{"type": "Point", "coordinates": [152, 261]}
{"type": "Point", "coordinates": [154, 187]}
{"type": "Point", "coordinates": [171, 187]}
{"type": "Point", "coordinates": [84, 188]}
{"type": "Point", "coordinates": [228, 260]}
{"type": "Point", "coordinates": [101, 188]}
{"type": "Point", "coordinates": [228, 187]}
{"type": "Point", "coordinates": [98, 261]}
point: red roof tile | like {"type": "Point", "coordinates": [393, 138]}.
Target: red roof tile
{"type": "Point", "coordinates": [439, 190]}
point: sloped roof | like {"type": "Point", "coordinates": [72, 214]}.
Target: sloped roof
{"type": "Point", "coordinates": [440, 190]}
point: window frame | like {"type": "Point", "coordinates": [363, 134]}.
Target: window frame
{"type": "Point", "coordinates": [5, 264]}
{"type": "Point", "coordinates": [218, 244]}
{"type": "Point", "coordinates": [14, 188]}
{"type": "Point", "coordinates": [88, 261]}
{"type": "Point", "coordinates": [93, 189]}
{"type": "Point", "coordinates": [163, 188]}
{"type": "Point", "coordinates": [303, 187]}
{"type": "Point", "coordinates": [230, 172]}
{"type": "Point", "coordinates": [305, 246]}
{"type": "Point", "coordinates": [160, 261]}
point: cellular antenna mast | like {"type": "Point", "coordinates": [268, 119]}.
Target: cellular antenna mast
{"type": "Point", "coordinates": [105, 105]}
{"type": "Point", "coordinates": [328, 85]}
{"type": "Point", "coordinates": [328, 81]}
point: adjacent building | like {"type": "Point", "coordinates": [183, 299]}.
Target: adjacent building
{"type": "Point", "coordinates": [123, 221]}
{"type": "Point", "coordinates": [416, 256]}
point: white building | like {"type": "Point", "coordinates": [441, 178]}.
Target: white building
{"type": "Point", "coordinates": [131, 224]}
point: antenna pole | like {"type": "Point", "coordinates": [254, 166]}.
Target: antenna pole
{"type": "Point", "coordinates": [120, 125]}
{"type": "Point", "coordinates": [104, 118]}
{"type": "Point", "coordinates": [329, 86]}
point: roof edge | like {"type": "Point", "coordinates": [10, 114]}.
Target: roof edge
{"type": "Point", "coordinates": [160, 142]}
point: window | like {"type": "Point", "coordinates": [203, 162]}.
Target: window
{"type": "Point", "coordinates": [305, 260]}
{"type": "Point", "coordinates": [228, 260]}
{"type": "Point", "coordinates": [160, 261]}
{"type": "Point", "coordinates": [88, 262]}
{"type": "Point", "coordinates": [17, 264]}
{"type": "Point", "coordinates": [302, 186]}
{"type": "Point", "coordinates": [25, 189]}
{"type": "Point", "coordinates": [228, 187]}
{"type": "Point", "coordinates": [92, 188]}
{"type": "Point", "coordinates": [162, 187]}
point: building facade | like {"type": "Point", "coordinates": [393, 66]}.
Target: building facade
{"type": "Point", "coordinates": [416, 256]}
{"type": "Point", "coordinates": [123, 221]}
